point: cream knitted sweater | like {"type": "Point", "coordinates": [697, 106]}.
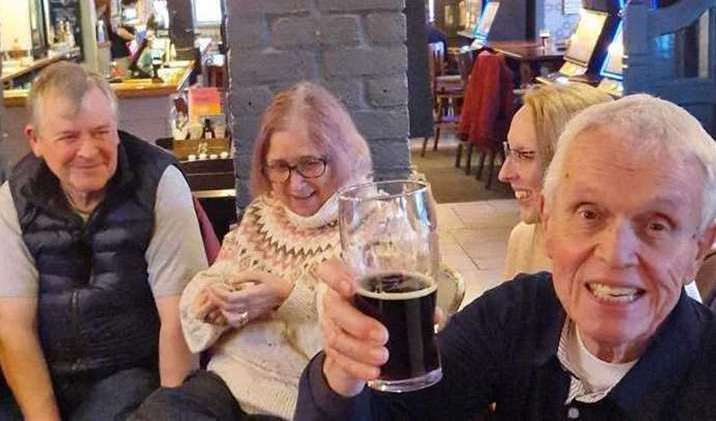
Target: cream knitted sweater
{"type": "Point", "coordinates": [525, 251]}
{"type": "Point", "coordinates": [262, 362]}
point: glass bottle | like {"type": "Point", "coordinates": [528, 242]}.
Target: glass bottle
{"type": "Point", "coordinates": [208, 131]}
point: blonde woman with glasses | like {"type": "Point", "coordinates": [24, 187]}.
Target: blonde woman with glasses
{"type": "Point", "coordinates": [529, 149]}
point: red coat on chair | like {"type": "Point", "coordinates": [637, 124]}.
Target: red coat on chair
{"type": "Point", "coordinates": [488, 107]}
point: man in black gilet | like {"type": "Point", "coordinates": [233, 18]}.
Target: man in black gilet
{"type": "Point", "coordinates": [99, 238]}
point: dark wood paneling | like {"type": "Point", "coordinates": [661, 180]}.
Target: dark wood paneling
{"type": "Point", "coordinates": [419, 96]}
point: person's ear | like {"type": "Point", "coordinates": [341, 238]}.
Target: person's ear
{"type": "Point", "coordinates": [543, 211]}
{"type": "Point", "coordinates": [32, 138]}
{"type": "Point", "coordinates": [705, 242]}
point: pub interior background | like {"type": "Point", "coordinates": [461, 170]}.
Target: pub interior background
{"type": "Point", "coordinates": [375, 56]}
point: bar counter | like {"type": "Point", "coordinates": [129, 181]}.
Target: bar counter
{"type": "Point", "coordinates": [21, 71]}
{"type": "Point", "coordinates": [174, 78]}
{"type": "Point", "coordinates": [143, 105]}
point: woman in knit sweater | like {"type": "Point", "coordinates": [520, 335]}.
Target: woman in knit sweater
{"type": "Point", "coordinates": [254, 309]}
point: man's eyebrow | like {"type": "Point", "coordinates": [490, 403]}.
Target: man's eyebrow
{"type": "Point", "coordinates": [66, 132]}
{"type": "Point", "coordinates": [666, 202]}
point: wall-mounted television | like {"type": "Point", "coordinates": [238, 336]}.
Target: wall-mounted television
{"type": "Point", "coordinates": [584, 40]}
{"type": "Point", "coordinates": [482, 30]}
{"type": "Point", "coordinates": [613, 64]}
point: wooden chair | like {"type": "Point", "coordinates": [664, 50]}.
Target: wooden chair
{"type": "Point", "coordinates": [447, 90]}
{"type": "Point", "coordinates": [212, 246]}
{"type": "Point", "coordinates": [464, 63]}
{"type": "Point", "coordinates": [491, 153]}
{"type": "Point", "coordinates": [451, 290]}
{"type": "Point", "coordinates": [487, 112]}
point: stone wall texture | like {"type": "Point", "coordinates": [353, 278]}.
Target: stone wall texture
{"type": "Point", "coordinates": [355, 48]}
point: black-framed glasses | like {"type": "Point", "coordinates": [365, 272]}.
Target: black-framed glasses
{"type": "Point", "coordinates": [516, 154]}
{"type": "Point", "coordinates": [308, 167]}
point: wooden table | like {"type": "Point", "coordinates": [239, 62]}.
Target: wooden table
{"type": "Point", "coordinates": [528, 55]}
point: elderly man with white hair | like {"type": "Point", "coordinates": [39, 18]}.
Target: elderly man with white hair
{"type": "Point", "coordinates": [99, 239]}
{"type": "Point", "coordinates": [628, 207]}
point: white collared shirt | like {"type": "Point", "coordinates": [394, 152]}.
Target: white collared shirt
{"type": "Point", "coordinates": [591, 379]}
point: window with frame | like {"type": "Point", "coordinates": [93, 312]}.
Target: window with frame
{"type": "Point", "coordinates": [207, 12]}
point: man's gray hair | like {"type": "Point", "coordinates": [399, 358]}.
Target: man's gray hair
{"type": "Point", "coordinates": [647, 124]}
{"type": "Point", "coordinates": [70, 81]}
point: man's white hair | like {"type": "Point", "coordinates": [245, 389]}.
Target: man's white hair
{"type": "Point", "coordinates": [647, 124]}
{"type": "Point", "coordinates": [70, 81]}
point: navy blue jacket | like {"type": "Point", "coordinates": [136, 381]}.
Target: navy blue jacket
{"type": "Point", "coordinates": [96, 311]}
{"type": "Point", "coordinates": [502, 348]}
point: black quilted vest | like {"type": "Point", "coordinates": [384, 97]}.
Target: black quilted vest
{"type": "Point", "coordinates": [96, 312]}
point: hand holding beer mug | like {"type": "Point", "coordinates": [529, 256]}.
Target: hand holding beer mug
{"type": "Point", "coordinates": [389, 239]}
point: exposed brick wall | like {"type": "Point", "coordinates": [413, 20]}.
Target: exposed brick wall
{"type": "Point", "coordinates": [356, 48]}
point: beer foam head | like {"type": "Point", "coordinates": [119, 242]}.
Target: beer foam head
{"type": "Point", "coordinates": [396, 285]}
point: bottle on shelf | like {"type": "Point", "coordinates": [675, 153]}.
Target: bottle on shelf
{"type": "Point", "coordinates": [69, 35]}
{"type": "Point", "coordinates": [208, 131]}
{"type": "Point", "coordinates": [16, 50]}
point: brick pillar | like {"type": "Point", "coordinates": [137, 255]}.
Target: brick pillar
{"type": "Point", "coordinates": [356, 48]}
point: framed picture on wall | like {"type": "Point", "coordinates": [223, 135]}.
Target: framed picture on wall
{"type": "Point", "coordinates": [571, 7]}
{"type": "Point", "coordinates": [67, 11]}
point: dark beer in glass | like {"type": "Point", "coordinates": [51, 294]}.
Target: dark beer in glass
{"type": "Point", "coordinates": [405, 303]}
{"type": "Point", "coordinates": [389, 239]}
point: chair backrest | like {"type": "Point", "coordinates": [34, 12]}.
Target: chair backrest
{"type": "Point", "coordinates": [437, 56]}
{"type": "Point", "coordinates": [436, 63]}
{"type": "Point", "coordinates": [464, 65]}
{"type": "Point", "coordinates": [451, 290]}
{"type": "Point", "coordinates": [668, 52]}
{"type": "Point", "coordinates": [212, 246]}
{"type": "Point", "coordinates": [488, 107]}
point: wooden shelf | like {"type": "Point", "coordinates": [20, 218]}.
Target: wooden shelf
{"type": "Point", "coordinates": [183, 148]}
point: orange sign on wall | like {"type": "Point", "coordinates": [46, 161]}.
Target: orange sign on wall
{"type": "Point", "coordinates": [204, 102]}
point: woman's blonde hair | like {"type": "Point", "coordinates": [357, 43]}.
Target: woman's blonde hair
{"type": "Point", "coordinates": [329, 128]}
{"type": "Point", "coordinates": [552, 106]}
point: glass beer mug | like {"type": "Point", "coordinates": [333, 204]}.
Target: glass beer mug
{"type": "Point", "coordinates": [389, 239]}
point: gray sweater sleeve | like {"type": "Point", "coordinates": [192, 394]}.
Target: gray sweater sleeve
{"type": "Point", "coordinates": [18, 275]}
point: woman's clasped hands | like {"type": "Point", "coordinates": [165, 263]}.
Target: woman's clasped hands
{"type": "Point", "coordinates": [243, 296]}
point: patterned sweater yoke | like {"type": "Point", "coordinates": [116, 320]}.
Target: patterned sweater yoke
{"type": "Point", "coordinates": [273, 239]}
